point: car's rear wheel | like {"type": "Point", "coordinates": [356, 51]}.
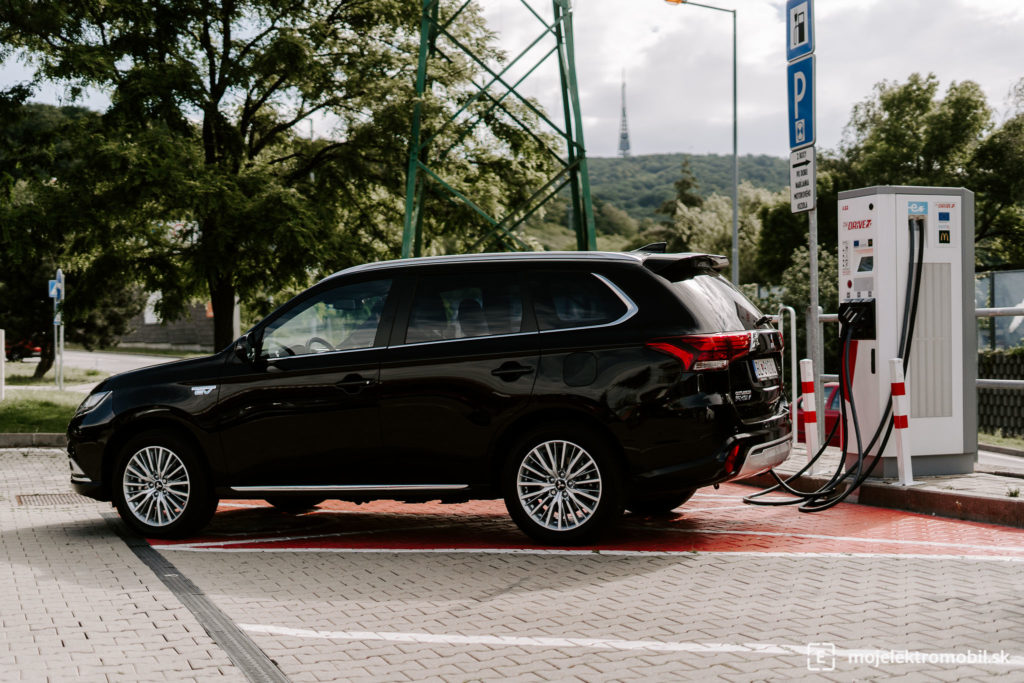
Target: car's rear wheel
{"type": "Point", "coordinates": [659, 505]}
{"type": "Point", "coordinates": [294, 504]}
{"type": "Point", "coordinates": [562, 485]}
{"type": "Point", "coordinates": [161, 488]}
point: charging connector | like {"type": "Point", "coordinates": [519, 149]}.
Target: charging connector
{"type": "Point", "coordinates": [858, 316]}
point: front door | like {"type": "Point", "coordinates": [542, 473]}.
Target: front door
{"type": "Point", "coordinates": [306, 412]}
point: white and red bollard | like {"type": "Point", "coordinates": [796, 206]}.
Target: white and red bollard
{"type": "Point", "coordinates": [810, 407]}
{"type": "Point", "coordinates": [901, 422]}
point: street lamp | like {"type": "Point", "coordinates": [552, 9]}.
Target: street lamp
{"type": "Point", "coordinates": [735, 156]}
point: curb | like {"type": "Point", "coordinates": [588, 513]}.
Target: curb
{"type": "Point", "coordinates": [33, 440]}
{"type": "Point", "coordinates": [999, 449]}
{"type": "Point", "coordinates": [1004, 511]}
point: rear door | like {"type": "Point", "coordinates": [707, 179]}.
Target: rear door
{"type": "Point", "coordinates": [462, 362]}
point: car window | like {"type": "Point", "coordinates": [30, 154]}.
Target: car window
{"type": "Point", "coordinates": [337, 319]}
{"type": "Point", "coordinates": [834, 403]}
{"type": "Point", "coordinates": [575, 299]}
{"type": "Point", "coordinates": [715, 304]}
{"type": "Point", "coordinates": [465, 305]}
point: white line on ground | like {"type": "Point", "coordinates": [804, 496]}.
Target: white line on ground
{"type": "Point", "coordinates": [610, 553]}
{"type": "Point", "coordinates": [771, 534]}
{"type": "Point", "coordinates": [529, 642]}
{"type": "Point", "coordinates": [824, 537]}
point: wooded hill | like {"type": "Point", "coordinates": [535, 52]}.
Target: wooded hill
{"type": "Point", "coordinates": [640, 184]}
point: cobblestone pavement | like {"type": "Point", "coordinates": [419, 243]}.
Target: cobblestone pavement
{"type": "Point", "coordinates": [412, 592]}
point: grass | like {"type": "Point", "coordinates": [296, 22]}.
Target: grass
{"type": "Point", "coordinates": [38, 411]}
{"type": "Point", "coordinates": [1013, 493]}
{"type": "Point", "coordinates": [20, 374]}
{"type": "Point", "coordinates": [1000, 440]}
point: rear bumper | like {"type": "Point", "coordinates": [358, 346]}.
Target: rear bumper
{"type": "Point", "coordinates": [765, 456]}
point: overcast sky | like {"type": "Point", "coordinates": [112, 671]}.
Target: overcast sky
{"type": "Point", "coordinates": [678, 63]}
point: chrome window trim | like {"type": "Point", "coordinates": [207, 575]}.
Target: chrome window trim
{"type": "Point", "coordinates": [321, 354]}
{"type": "Point", "coordinates": [350, 488]}
{"type": "Point", "coordinates": [631, 309]}
{"type": "Point", "coordinates": [461, 339]}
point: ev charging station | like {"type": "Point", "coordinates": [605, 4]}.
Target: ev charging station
{"type": "Point", "coordinates": [883, 233]}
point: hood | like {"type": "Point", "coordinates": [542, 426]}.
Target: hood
{"type": "Point", "coordinates": [190, 370]}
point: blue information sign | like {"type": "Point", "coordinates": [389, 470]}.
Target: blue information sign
{"type": "Point", "coordinates": [799, 28]}
{"type": "Point", "coordinates": [800, 93]}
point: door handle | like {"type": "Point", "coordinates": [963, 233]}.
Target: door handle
{"type": "Point", "coordinates": [511, 371]}
{"type": "Point", "coordinates": [353, 384]}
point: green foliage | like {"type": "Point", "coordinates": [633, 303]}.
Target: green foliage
{"type": "Point", "coordinates": [201, 162]}
{"type": "Point", "coordinates": [708, 227]}
{"type": "Point", "coordinates": [51, 217]}
{"type": "Point", "coordinates": [686, 192]}
{"type": "Point", "coordinates": [38, 412]}
{"type": "Point", "coordinates": [796, 283]}
{"type": "Point", "coordinates": [906, 134]}
{"type": "Point", "coordinates": [640, 185]}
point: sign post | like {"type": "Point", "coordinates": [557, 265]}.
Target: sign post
{"type": "Point", "coordinates": [57, 290]}
{"type": "Point", "coordinates": [800, 72]}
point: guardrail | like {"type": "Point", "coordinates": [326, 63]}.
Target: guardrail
{"type": "Point", "coordinates": [1011, 384]}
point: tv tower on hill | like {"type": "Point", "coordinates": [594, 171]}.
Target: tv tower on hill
{"type": "Point", "coordinates": [623, 126]}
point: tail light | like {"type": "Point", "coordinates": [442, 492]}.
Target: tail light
{"type": "Point", "coordinates": [706, 351]}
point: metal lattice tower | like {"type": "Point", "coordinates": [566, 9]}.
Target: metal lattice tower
{"type": "Point", "coordinates": [438, 47]}
{"type": "Point", "coordinates": [623, 125]}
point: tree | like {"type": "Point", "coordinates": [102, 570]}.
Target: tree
{"type": "Point", "coordinates": [211, 99]}
{"type": "Point", "coordinates": [41, 148]}
{"type": "Point", "coordinates": [708, 228]}
{"type": "Point", "coordinates": [686, 192]}
{"type": "Point", "coordinates": [906, 134]}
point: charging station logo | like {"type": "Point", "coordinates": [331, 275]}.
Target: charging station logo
{"type": "Point", "coordinates": [821, 656]}
{"type": "Point", "coordinates": [917, 208]}
{"type": "Point", "coordinates": [857, 225]}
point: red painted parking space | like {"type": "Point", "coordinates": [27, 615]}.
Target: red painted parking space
{"type": "Point", "coordinates": [712, 521]}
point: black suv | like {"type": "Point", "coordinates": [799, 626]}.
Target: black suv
{"type": "Point", "coordinates": [573, 385]}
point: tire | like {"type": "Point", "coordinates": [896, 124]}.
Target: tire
{"type": "Point", "coordinates": [15, 355]}
{"type": "Point", "coordinates": [294, 504]}
{"type": "Point", "coordinates": [660, 505]}
{"type": "Point", "coordinates": [544, 493]}
{"type": "Point", "coordinates": [161, 487]}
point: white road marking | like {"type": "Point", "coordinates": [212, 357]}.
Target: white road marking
{"type": "Point", "coordinates": [587, 643]}
{"type": "Point", "coordinates": [611, 553]}
{"type": "Point", "coordinates": [858, 539]}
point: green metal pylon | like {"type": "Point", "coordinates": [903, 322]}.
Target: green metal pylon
{"type": "Point", "coordinates": [500, 231]}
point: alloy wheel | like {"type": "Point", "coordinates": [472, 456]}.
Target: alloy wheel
{"type": "Point", "coordinates": [559, 485]}
{"type": "Point", "coordinates": [156, 486]}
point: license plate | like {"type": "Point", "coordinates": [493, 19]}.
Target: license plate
{"type": "Point", "coordinates": [764, 368]}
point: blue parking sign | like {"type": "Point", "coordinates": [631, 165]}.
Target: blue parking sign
{"type": "Point", "coordinates": [800, 93]}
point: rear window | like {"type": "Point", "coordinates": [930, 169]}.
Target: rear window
{"type": "Point", "coordinates": [716, 305]}
{"type": "Point", "coordinates": [575, 299]}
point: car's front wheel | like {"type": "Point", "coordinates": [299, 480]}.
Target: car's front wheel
{"type": "Point", "coordinates": [161, 488]}
{"type": "Point", "coordinates": [562, 486]}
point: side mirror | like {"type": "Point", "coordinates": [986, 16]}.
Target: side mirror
{"type": "Point", "coordinates": [245, 350]}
